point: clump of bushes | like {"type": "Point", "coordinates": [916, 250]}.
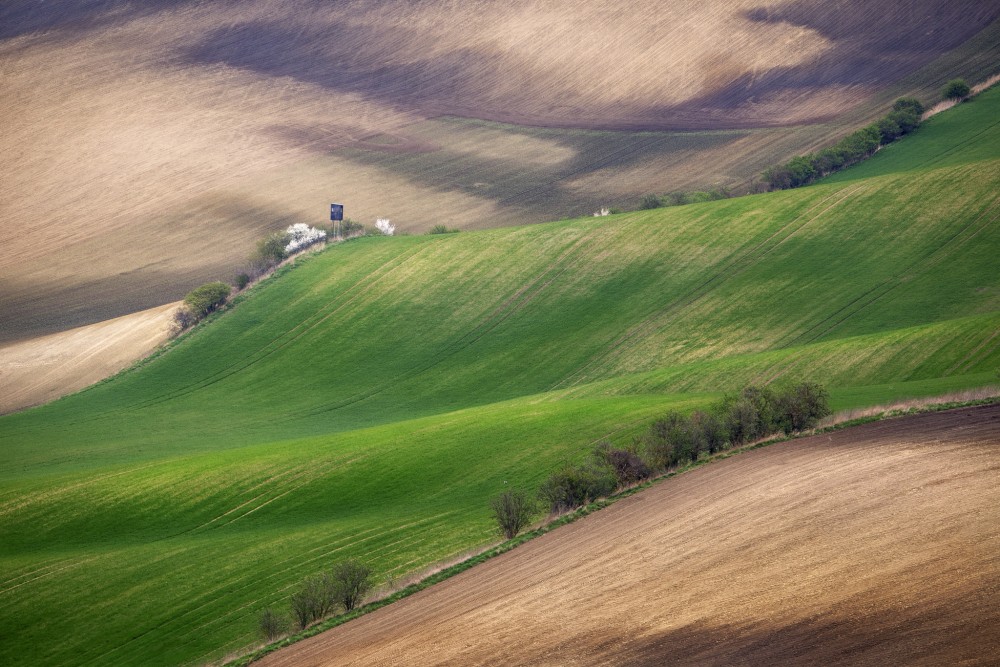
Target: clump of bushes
{"type": "Point", "coordinates": [441, 229]}
{"type": "Point", "coordinates": [679, 198]}
{"type": "Point", "coordinates": [855, 147]}
{"type": "Point", "coordinates": [269, 253]}
{"type": "Point", "coordinates": [206, 298]}
{"type": "Point", "coordinates": [277, 247]}
{"type": "Point", "coordinates": [199, 302]}
{"type": "Point", "coordinates": [956, 89]}
{"type": "Point", "coordinates": [576, 485]}
{"type": "Point", "coordinates": [676, 439]}
{"type": "Point", "coordinates": [300, 236]}
{"type": "Point", "coordinates": [343, 587]}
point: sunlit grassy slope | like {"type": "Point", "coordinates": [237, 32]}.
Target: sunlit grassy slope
{"type": "Point", "coordinates": [370, 400]}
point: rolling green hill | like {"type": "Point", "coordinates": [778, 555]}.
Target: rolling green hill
{"type": "Point", "coordinates": [371, 399]}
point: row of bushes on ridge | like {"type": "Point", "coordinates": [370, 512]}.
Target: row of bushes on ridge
{"type": "Point", "coordinates": [855, 147]}
{"type": "Point", "coordinates": [340, 589]}
{"type": "Point", "coordinates": [671, 441]}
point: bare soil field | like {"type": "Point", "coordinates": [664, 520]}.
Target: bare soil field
{"type": "Point", "coordinates": [146, 146]}
{"type": "Point", "coordinates": [878, 544]}
{"type": "Point", "coordinates": [42, 369]}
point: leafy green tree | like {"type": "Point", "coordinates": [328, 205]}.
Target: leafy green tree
{"type": "Point", "coordinates": [203, 300]}
{"type": "Point", "coordinates": [956, 89]}
{"type": "Point", "coordinates": [574, 486]}
{"type": "Point", "coordinates": [908, 104]}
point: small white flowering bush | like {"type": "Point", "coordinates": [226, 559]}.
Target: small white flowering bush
{"type": "Point", "coordinates": [603, 212]}
{"type": "Point", "coordinates": [301, 235]}
{"type": "Point", "coordinates": [385, 227]}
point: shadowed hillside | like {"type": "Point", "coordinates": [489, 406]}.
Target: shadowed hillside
{"type": "Point", "coordinates": [146, 145]}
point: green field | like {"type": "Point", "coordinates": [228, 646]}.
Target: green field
{"type": "Point", "coordinates": [370, 399]}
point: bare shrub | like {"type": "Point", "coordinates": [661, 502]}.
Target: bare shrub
{"type": "Point", "coordinates": [183, 319]}
{"type": "Point", "coordinates": [574, 486]}
{"type": "Point", "coordinates": [802, 406]}
{"type": "Point", "coordinates": [272, 625]}
{"type": "Point", "coordinates": [351, 579]}
{"type": "Point", "coordinates": [315, 600]}
{"type": "Point", "coordinates": [627, 466]}
{"type": "Point", "coordinates": [512, 510]}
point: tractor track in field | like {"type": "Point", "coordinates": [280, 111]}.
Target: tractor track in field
{"type": "Point", "coordinates": [914, 270]}
{"type": "Point", "coordinates": [729, 268]}
{"type": "Point", "coordinates": [509, 307]}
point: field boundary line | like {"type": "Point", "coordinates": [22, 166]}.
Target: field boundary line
{"type": "Point", "coordinates": [887, 414]}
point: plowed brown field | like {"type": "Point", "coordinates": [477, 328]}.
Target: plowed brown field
{"type": "Point", "coordinates": [874, 545]}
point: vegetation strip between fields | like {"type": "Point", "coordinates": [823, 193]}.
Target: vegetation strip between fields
{"type": "Point", "coordinates": [584, 511]}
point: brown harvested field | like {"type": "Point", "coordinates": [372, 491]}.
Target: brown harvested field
{"type": "Point", "coordinates": [145, 146]}
{"type": "Point", "coordinates": [43, 369]}
{"type": "Point", "coordinates": [878, 544]}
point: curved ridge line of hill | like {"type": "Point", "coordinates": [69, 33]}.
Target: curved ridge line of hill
{"type": "Point", "coordinates": [650, 325]}
{"type": "Point", "coordinates": [922, 264]}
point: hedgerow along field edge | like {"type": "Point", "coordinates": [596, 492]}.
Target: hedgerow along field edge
{"type": "Point", "coordinates": [370, 400]}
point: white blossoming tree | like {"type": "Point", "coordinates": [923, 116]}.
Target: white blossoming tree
{"type": "Point", "coordinates": [301, 235]}
{"type": "Point", "coordinates": [385, 227]}
{"type": "Point", "coordinates": [603, 212]}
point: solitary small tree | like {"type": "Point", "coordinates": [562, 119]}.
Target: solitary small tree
{"type": "Point", "coordinates": [956, 89]}
{"type": "Point", "coordinates": [512, 510]}
{"type": "Point", "coordinates": [352, 579]}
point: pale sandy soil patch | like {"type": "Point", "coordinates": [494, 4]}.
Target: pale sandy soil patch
{"type": "Point", "coordinates": [42, 369]}
{"type": "Point", "coordinates": [873, 545]}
